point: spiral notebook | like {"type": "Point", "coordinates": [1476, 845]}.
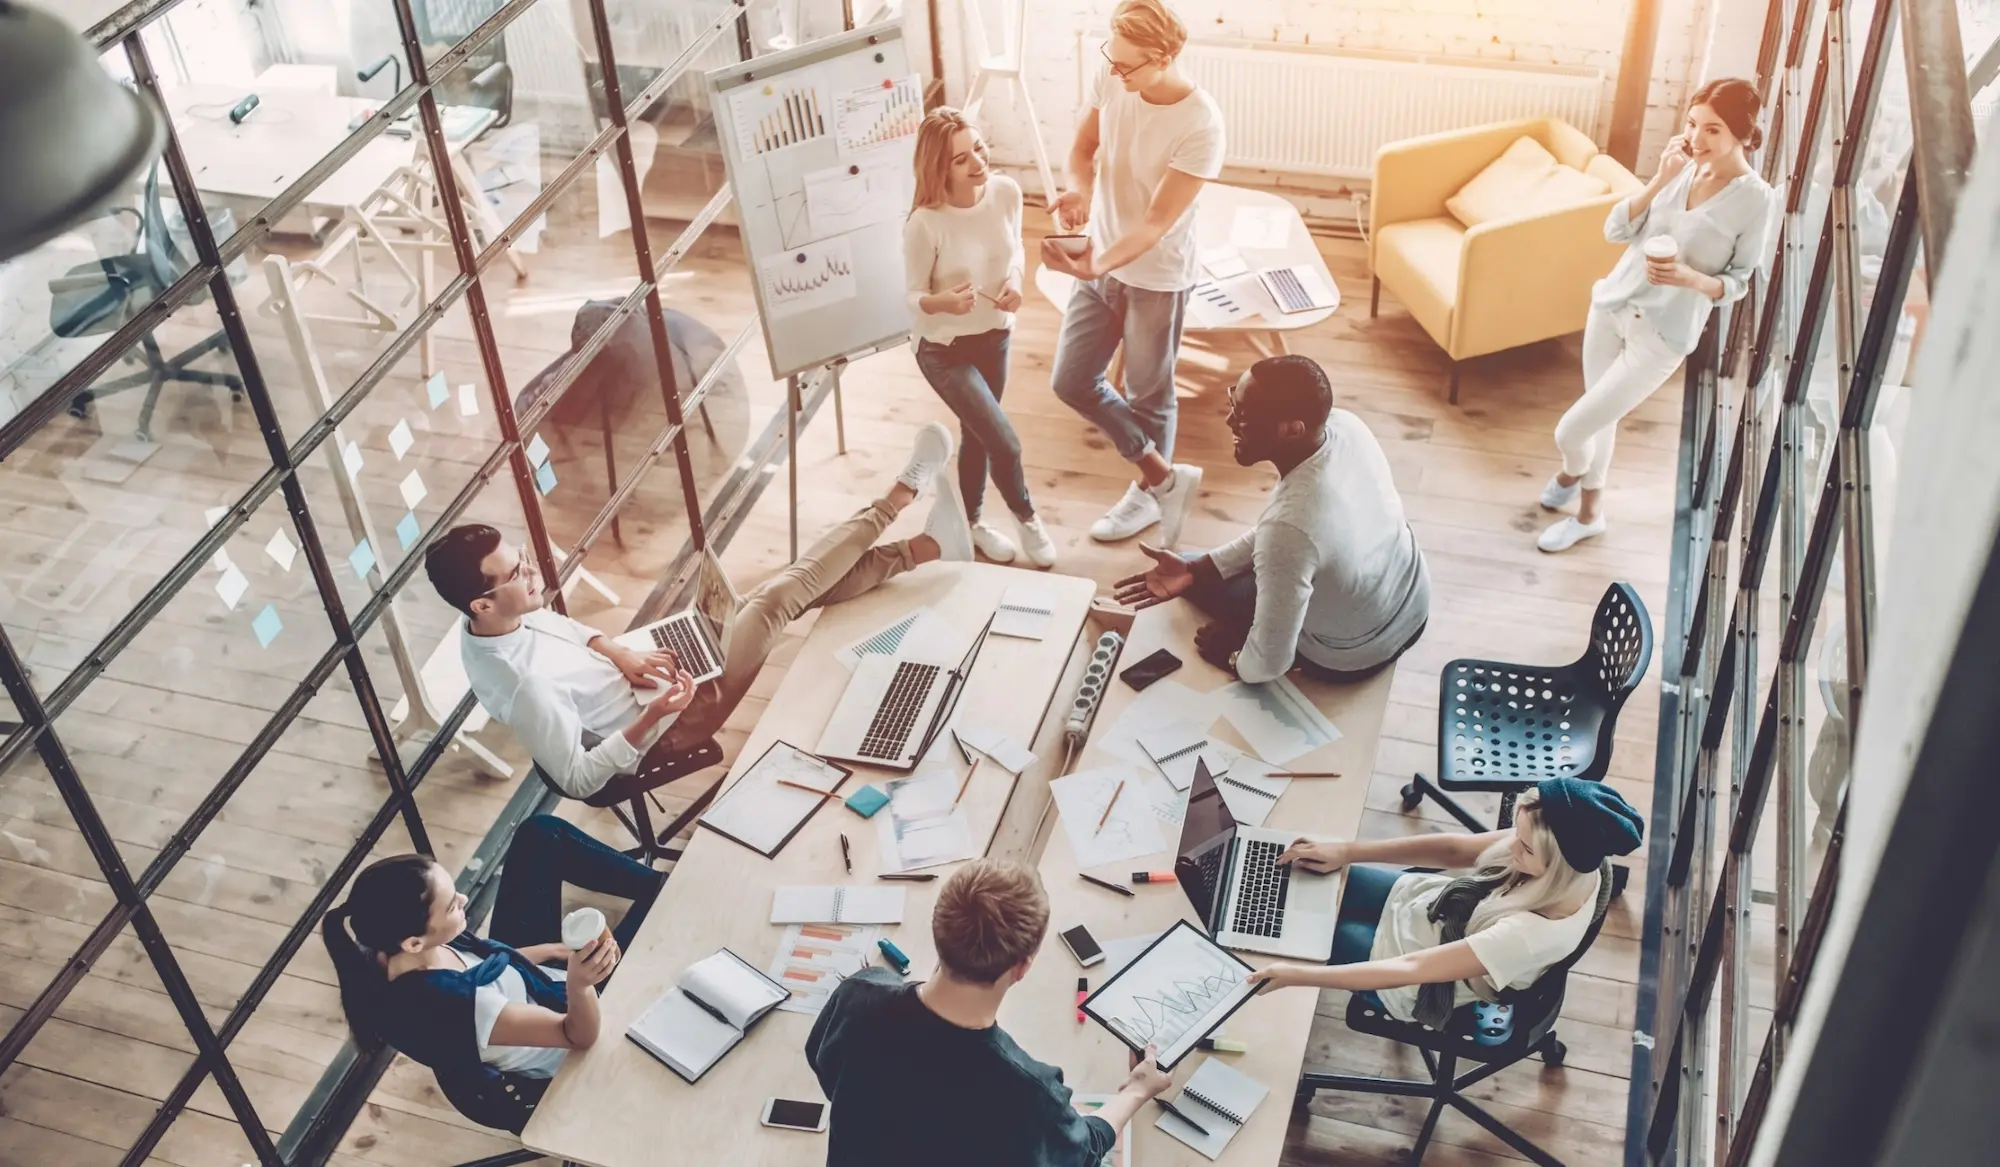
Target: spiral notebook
{"type": "Point", "coordinates": [837, 904]}
{"type": "Point", "coordinates": [1221, 1099]}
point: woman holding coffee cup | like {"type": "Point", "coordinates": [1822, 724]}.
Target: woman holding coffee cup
{"type": "Point", "coordinates": [1693, 236]}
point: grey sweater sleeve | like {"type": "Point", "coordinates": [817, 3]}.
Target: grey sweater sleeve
{"type": "Point", "coordinates": [1285, 561]}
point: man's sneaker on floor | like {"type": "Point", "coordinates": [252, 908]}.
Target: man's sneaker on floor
{"type": "Point", "coordinates": [1132, 514]}
{"type": "Point", "coordinates": [947, 524]}
{"type": "Point", "coordinates": [930, 453]}
{"type": "Point", "coordinates": [1035, 542]}
{"type": "Point", "coordinates": [1566, 533]}
{"type": "Point", "coordinates": [1556, 496]}
{"type": "Point", "coordinates": [992, 543]}
{"type": "Point", "coordinates": [1176, 499]}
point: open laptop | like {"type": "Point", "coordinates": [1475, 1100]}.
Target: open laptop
{"type": "Point", "coordinates": [895, 706]}
{"type": "Point", "coordinates": [1248, 902]}
{"type": "Point", "coordinates": [687, 635]}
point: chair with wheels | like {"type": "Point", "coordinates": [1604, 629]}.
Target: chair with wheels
{"type": "Point", "coordinates": [626, 795]}
{"type": "Point", "coordinates": [1503, 727]}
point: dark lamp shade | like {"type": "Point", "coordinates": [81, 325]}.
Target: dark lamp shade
{"type": "Point", "coordinates": [71, 137]}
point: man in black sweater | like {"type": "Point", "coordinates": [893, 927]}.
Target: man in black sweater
{"type": "Point", "coordinates": [923, 1073]}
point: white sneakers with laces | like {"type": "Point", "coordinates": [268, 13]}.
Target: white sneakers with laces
{"type": "Point", "coordinates": [1556, 496]}
{"type": "Point", "coordinates": [947, 524]}
{"type": "Point", "coordinates": [1566, 533]}
{"type": "Point", "coordinates": [1035, 542]}
{"type": "Point", "coordinates": [1166, 504]}
{"type": "Point", "coordinates": [929, 455]}
{"type": "Point", "coordinates": [992, 543]}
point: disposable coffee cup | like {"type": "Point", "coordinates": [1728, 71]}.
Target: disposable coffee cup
{"type": "Point", "coordinates": [581, 927]}
{"type": "Point", "coordinates": [1663, 247]}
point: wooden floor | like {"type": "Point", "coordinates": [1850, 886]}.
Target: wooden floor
{"type": "Point", "coordinates": [190, 694]}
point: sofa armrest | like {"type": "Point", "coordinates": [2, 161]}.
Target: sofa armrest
{"type": "Point", "coordinates": [1412, 178]}
{"type": "Point", "coordinates": [1526, 279]}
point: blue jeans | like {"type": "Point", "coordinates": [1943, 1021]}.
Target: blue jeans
{"type": "Point", "coordinates": [547, 852]}
{"type": "Point", "coordinates": [970, 374]}
{"type": "Point", "coordinates": [1101, 314]}
{"type": "Point", "coordinates": [1361, 904]}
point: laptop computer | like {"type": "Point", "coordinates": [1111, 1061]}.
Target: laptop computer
{"type": "Point", "coordinates": [895, 706]}
{"type": "Point", "coordinates": [1248, 902]}
{"type": "Point", "coordinates": [687, 635]}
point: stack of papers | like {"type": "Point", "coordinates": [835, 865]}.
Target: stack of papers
{"type": "Point", "coordinates": [922, 826]}
{"type": "Point", "coordinates": [1009, 754]}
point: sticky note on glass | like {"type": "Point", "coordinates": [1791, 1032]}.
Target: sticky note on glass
{"type": "Point", "coordinates": [267, 625]}
{"type": "Point", "coordinates": [468, 400]}
{"type": "Point", "coordinates": [281, 550]}
{"type": "Point", "coordinates": [361, 559]}
{"type": "Point", "coordinates": [538, 450]}
{"type": "Point", "coordinates": [545, 478]}
{"type": "Point", "coordinates": [231, 586]}
{"type": "Point", "coordinates": [408, 530]}
{"type": "Point", "coordinates": [437, 390]}
{"type": "Point", "coordinates": [400, 440]}
{"type": "Point", "coordinates": [350, 457]}
{"type": "Point", "coordinates": [413, 490]}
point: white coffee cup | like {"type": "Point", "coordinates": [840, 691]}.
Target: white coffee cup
{"type": "Point", "coordinates": [1663, 247]}
{"type": "Point", "coordinates": [581, 927]}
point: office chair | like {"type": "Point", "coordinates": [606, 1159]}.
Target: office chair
{"type": "Point", "coordinates": [626, 796]}
{"type": "Point", "coordinates": [1536, 1009]}
{"type": "Point", "coordinates": [486, 80]}
{"type": "Point", "coordinates": [1504, 727]}
{"type": "Point", "coordinates": [97, 298]}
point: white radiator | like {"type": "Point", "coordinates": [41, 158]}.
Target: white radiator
{"type": "Point", "coordinates": [1302, 110]}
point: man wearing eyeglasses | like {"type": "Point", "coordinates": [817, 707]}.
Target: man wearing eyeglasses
{"type": "Point", "coordinates": [1148, 141]}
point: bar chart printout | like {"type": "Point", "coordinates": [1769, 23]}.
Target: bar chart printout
{"type": "Point", "coordinates": [778, 115]}
{"type": "Point", "coordinates": [813, 959]}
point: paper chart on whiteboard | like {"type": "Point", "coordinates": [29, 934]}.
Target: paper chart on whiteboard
{"type": "Point", "coordinates": [872, 115]}
{"type": "Point", "coordinates": [773, 117]}
{"type": "Point", "coordinates": [808, 277]}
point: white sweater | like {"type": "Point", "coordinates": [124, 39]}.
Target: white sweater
{"type": "Point", "coordinates": [945, 246]}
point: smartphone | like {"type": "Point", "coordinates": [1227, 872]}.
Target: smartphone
{"type": "Point", "coordinates": [793, 1115]}
{"type": "Point", "coordinates": [1151, 669]}
{"type": "Point", "coordinates": [1071, 244]}
{"type": "Point", "coordinates": [1082, 945]}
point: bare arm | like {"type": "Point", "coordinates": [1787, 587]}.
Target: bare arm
{"type": "Point", "coordinates": [1428, 966]}
{"type": "Point", "coordinates": [1080, 170]}
{"type": "Point", "coordinates": [1447, 849]}
{"type": "Point", "coordinates": [1175, 195]}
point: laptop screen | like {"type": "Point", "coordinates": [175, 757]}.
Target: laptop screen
{"type": "Point", "coordinates": [1207, 833]}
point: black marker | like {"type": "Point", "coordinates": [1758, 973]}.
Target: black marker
{"type": "Point", "coordinates": [1106, 885]}
{"type": "Point", "coordinates": [1170, 1108]}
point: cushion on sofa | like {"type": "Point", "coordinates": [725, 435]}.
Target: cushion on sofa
{"type": "Point", "coordinates": [1524, 180]}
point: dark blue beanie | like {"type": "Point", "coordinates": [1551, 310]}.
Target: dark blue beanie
{"type": "Point", "coordinates": [1591, 821]}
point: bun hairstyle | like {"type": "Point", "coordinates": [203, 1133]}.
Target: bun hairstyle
{"type": "Point", "coordinates": [389, 903]}
{"type": "Point", "coordinates": [1737, 103]}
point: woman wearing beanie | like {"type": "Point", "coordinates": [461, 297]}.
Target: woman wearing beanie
{"type": "Point", "coordinates": [1511, 903]}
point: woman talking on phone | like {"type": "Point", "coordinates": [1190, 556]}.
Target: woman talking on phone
{"type": "Point", "coordinates": [1693, 236]}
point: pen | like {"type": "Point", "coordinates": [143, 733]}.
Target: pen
{"type": "Point", "coordinates": [924, 877]}
{"type": "Point", "coordinates": [1152, 877]}
{"type": "Point", "coordinates": [846, 857]}
{"type": "Point", "coordinates": [1170, 1108]}
{"type": "Point", "coordinates": [963, 786]}
{"type": "Point", "coordinates": [802, 786]}
{"type": "Point", "coordinates": [1082, 991]}
{"type": "Point", "coordinates": [1106, 816]}
{"type": "Point", "coordinates": [1106, 884]}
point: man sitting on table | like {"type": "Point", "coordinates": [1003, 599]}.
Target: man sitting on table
{"type": "Point", "coordinates": [574, 698]}
{"type": "Point", "coordinates": [923, 1073]}
{"type": "Point", "coordinates": [1331, 574]}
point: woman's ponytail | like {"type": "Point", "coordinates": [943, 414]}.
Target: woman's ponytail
{"type": "Point", "coordinates": [389, 902]}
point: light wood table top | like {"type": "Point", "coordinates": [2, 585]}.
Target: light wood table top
{"type": "Point", "coordinates": [1040, 1012]}
{"type": "Point", "coordinates": [614, 1105]}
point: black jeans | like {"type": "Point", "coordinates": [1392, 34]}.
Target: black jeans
{"type": "Point", "coordinates": [546, 853]}
{"type": "Point", "coordinates": [1234, 600]}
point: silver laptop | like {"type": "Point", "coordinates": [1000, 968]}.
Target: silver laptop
{"type": "Point", "coordinates": [687, 635]}
{"type": "Point", "coordinates": [1248, 902]}
{"type": "Point", "coordinates": [894, 707]}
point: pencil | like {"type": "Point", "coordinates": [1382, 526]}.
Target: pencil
{"type": "Point", "coordinates": [962, 786]}
{"type": "Point", "coordinates": [1305, 773]}
{"type": "Point", "coordinates": [1106, 816]}
{"type": "Point", "coordinates": [803, 786]}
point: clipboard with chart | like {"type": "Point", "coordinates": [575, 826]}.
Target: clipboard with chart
{"type": "Point", "coordinates": [1178, 991]}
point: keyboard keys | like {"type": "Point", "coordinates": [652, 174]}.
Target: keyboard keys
{"type": "Point", "coordinates": [1261, 891]}
{"type": "Point", "coordinates": [889, 731]}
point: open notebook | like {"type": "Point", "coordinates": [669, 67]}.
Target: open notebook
{"type": "Point", "coordinates": [1218, 1097]}
{"type": "Point", "coordinates": [837, 904]}
{"type": "Point", "coordinates": [717, 999]}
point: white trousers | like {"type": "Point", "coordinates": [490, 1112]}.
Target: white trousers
{"type": "Point", "coordinates": [1624, 362]}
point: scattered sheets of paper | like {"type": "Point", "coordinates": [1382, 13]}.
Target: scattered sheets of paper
{"type": "Point", "coordinates": [813, 958]}
{"type": "Point", "coordinates": [1277, 720]}
{"type": "Point", "coordinates": [1165, 706]}
{"type": "Point", "coordinates": [1169, 805]}
{"type": "Point", "coordinates": [1215, 305]}
{"type": "Point", "coordinates": [919, 627]}
{"type": "Point", "coordinates": [1175, 749]}
{"type": "Point", "coordinates": [920, 827]}
{"type": "Point", "coordinates": [1262, 228]}
{"type": "Point", "coordinates": [1025, 611]}
{"type": "Point", "coordinates": [1007, 753]}
{"type": "Point", "coordinates": [1132, 829]}
{"type": "Point", "coordinates": [1222, 263]}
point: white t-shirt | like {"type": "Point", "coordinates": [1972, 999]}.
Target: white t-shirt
{"type": "Point", "coordinates": [1138, 142]}
{"type": "Point", "coordinates": [1516, 950]}
{"type": "Point", "coordinates": [945, 246]}
{"type": "Point", "coordinates": [488, 1000]}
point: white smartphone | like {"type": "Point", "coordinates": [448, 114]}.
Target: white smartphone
{"type": "Point", "coordinates": [1071, 244]}
{"type": "Point", "coordinates": [793, 1115]}
{"type": "Point", "coordinates": [1082, 945]}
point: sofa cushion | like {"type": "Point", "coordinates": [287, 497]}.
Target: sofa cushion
{"type": "Point", "coordinates": [1616, 179]}
{"type": "Point", "coordinates": [1524, 180]}
{"type": "Point", "coordinates": [1417, 260]}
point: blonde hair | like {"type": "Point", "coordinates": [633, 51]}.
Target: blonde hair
{"type": "Point", "coordinates": [991, 915]}
{"type": "Point", "coordinates": [1150, 25]}
{"type": "Point", "coordinates": [934, 154]}
{"type": "Point", "coordinates": [1559, 883]}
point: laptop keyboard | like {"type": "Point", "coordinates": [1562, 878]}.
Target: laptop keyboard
{"type": "Point", "coordinates": [1261, 887]}
{"type": "Point", "coordinates": [678, 638]}
{"type": "Point", "coordinates": [889, 731]}
{"type": "Point", "coordinates": [1291, 294]}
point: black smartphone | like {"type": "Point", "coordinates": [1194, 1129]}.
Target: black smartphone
{"type": "Point", "coordinates": [795, 1115]}
{"type": "Point", "coordinates": [1082, 945]}
{"type": "Point", "coordinates": [1151, 669]}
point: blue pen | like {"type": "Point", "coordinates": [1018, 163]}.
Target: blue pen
{"type": "Point", "coordinates": [894, 955]}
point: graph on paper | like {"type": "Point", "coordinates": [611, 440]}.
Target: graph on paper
{"type": "Point", "coordinates": [811, 277]}
{"type": "Point", "coordinates": [1130, 829]}
{"type": "Point", "coordinates": [872, 115]}
{"type": "Point", "coordinates": [775, 116]}
{"type": "Point", "coordinates": [1173, 995]}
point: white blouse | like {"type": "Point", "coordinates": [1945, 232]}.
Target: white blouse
{"type": "Point", "coordinates": [1724, 237]}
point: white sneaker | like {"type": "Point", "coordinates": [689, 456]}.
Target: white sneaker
{"type": "Point", "coordinates": [1566, 533]}
{"type": "Point", "coordinates": [1035, 542]}
{"type": "Point", "coordinates": [1176, 499]}
{"type": "Point", "coordinates": [992, 543]}
{"type": "Point", "coordinates": [946, 523]}
{"type": "Point", "coordinates": [1556, 496]}
{"type": "Point", "coordinates": [929, 454]}
{"type": "Point", "coordinates": [1132, 514]}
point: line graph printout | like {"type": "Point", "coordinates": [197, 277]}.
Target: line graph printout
{"type": "Point", "coordinates": [810, 277]}
{"type": "Point", "coordinates": [872, 115]}
{"type": "Point", "coordinates": [1131, 829]}
{"type": "Point", "coordinates": [1172, 995]}
{"type": "Point", "coordinates": [1280, 722]}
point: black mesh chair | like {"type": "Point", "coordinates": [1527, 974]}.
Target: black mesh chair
{"type": "Point", "coordinates": [626, 795]}
{"type": "Point", "coordinates": [1504, 727]}
{"type": "Point", "coordinates": [1536, 1009]}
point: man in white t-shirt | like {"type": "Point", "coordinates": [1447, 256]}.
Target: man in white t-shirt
{"type": "Point", "coordinates": [1148, 141]}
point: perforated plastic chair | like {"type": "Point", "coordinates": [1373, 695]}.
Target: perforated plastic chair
{"type": "Point", "coordinates": [1504, 727]}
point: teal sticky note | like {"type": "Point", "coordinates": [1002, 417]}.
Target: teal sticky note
{"type": "Point", "coordinates": [267, 625]}
{"type": "Point", "coordinates": [545, 478]}
{"type": "Point", "coordinates": [408, 530]}
{"type": "Point", "coordinates": [436, 388]}
{"type": "Point", "coordinates": [866, 801]}
{"type": "Point", "coordinates": [361, 559]}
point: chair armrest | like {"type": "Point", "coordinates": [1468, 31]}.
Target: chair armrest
{"type": "Point", "coordinates": [1529, 278]}
{"type": "Point", "coordinates": [1413, 177]}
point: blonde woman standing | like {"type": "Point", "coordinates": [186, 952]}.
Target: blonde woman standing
{"type": "Point", "coordinates": [962, 256]}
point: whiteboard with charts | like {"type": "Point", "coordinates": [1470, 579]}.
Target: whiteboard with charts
{"type": "Point", "coordinates": [819, 141]}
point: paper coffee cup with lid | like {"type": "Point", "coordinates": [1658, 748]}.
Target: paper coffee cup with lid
{"type": "Point", "coordinates": [581, 927]}
{"type": "Point", "coordinates": [1663, 247]}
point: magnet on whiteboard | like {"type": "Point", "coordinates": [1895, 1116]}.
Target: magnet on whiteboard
{"type": "Point", "coordinates": [802, 257]}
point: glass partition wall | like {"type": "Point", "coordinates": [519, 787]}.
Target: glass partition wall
{"type": "Point", "coordinates": [466, 260]}
{"type": "Point", "coordinates": [1795, 408]}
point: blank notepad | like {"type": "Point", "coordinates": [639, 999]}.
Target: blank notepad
{"type": "Point", "coordinates": [837, 904]}
{"type": "Point", "coordinates": [1024, 612]}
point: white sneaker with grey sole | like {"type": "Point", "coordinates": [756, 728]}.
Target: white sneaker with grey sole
{"type": "Point", "coordinates": [929, 454]}
{"type": "Point", "coordinates": [1036, 545]}
{"type": "Point", "coordinates": [1131, 515]}
{"type": "Point", "coordinates": [1566, 533]}
{"type": "Point", "coordinates": [1176, 499]}
{"type": "Point", "coordinates": [1556, 496]}
{"type": "Point", "coordinates": [992, 543]}
{"type": "Point", "coordinates": [946, 523]}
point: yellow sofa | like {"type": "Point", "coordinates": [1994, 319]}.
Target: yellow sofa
{"type": "Point", "coordinates": [1508, 281]}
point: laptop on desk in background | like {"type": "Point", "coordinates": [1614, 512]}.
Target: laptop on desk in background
{"type": "Point", "coordinates": [894, 707]}
{"type": "Point", "coordinates": [1248, 902]}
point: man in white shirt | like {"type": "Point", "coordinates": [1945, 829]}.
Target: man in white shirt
{"type": "Point", "coordinates": [1148, 141]}
{"type": "Point", "coordinates": [1331, 575]}
{"type": "Point", "coordinates": [587, 709]}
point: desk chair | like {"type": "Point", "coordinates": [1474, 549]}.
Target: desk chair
{"type": "Point", "coordinates": [626, 796]}
{"type": "Point", "coordinates": [486, 80]}
{"type": "Point", "coordinates": [1536, 1009]}
{"type": "Point", "coordinates": [97, 298]}
{"type": "Point", "coordinates": [1504, 727]}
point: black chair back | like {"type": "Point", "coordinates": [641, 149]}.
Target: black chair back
{"type": "Point", "coordinates": [1621, 643]}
